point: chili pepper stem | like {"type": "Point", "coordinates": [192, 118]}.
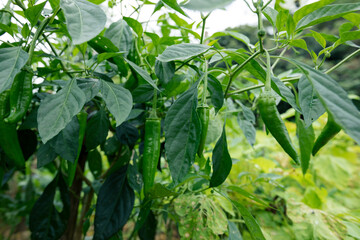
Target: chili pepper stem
{"type": "Point", "coordinates": [203, 101]}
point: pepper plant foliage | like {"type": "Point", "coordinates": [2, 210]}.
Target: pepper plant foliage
{"type": "Point", "coordinates": [93, 83]}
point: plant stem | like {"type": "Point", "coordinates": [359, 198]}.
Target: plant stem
{"type": "Point", "coordinates": [342, 62]}
{"type": "Point", "coordinates": [203, 101]}
{"type": "Point", "coordinates": [203, 28]}
{"type": "Point", "coordinates": [259, 86]}
{"type": "Point", "coordinates": [268, 72]}
{"type": "Point", "coordinates": [238, 69]}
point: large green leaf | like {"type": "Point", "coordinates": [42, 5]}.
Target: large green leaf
{"type": "Point", "coordinates": [34, 12]}
{"type": "Point", "coordinates": [234, 233]}
{"type": "Point", "coordinates": [310, 104]}
{"type": "Point", "coordinates": [250, 222]}
{"type": "Point", "coordinates": [120, 34]}
{"type": "Point", "coordinates": [182, 52]}
{"type": "Point", "coordinates": [327, 13]}
{"type": "Point", "coordinates": [118, 100]}
{"type": "Point", "coordinates": [45, 221]}
{"type": "Point", "coordinates": [114, 205]}
{"type": "Point", "coordinates": [97, 129]}
{"type": "Point", "coordinates": [165, 71]}
{"type": "Point", "coordinates": [306, 142]}
{"type": "Point", "coordinates": [11, 61]}
{"type": "Point", "coordinates": [309, 8]}
{"type": "Point", "coordinates": [206, 5]}
{"type": "Point", "coordinates": [335, 100]}
{"type": "Point", "coordinates": [221, 161]}
{"type": "Point", "coordinates": [182, 134]}
{"type": "Point", "coordinates": [350, 35]}
{"type": "Point", "coordinates": [174, 5]}
{"type": "Point", "coordinates": [216, 92]}
{"type": "Point", "coordinates": [57, 110]}
{"type": "Point", "coordinates": [84, 19]}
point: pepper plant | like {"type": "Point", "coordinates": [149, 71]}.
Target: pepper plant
{"type": "Point", "coordinates": [105, 106]}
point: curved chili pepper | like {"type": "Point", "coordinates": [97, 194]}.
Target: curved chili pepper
{"type": "Point", "coordinates": [203, 112]}
{"type": "Point", "coordinates": [151, 151]}
{"type": "Point", "coordinates": [330, 130]}
{"type": "Point", "coordinates": [20, 96]}
{"type": "Point", "coordinates": [9, 141]}
{"type": "Point", "coordinates": [274, 123]}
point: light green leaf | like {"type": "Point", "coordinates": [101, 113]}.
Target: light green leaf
{"type": "Point", "coordinates": [57, 110]}
{"type": "Point", "coordinates": [350, 35]}
{"type": "Point", "coordinates": [118, 100]}
{"type": "Point", "coordinates": [270, 15]}
{"type": "Point", "coordinates": [142, 73]}
{"type": "Point", "coordinates": [135, 25]}
{"type": "Point", "coordinates": [182, 133]}
{"type": "Point", "coordinates": [182, 52]}
{"type": "Point", "coordinates": [319, 38]}
{"type": "Point", "coordinates": [160, 191]}
{"type": "Point", "coordinates": [248, 129]}
{"type": "Point", "coordinates": [97, 2]}
{"type": "Point", "coordinates": [309, 8]}
{"type": "Point", "coordinates": [234, 233]}
{"type": "Point", "coordinates": [11, 61]}
{"type": "Point", "coordinates": [120, 34]}
{"type": "Point", "coordinates": [310, 104]}
{"type": "Point", "coordinates": [300, 43]}
{"type": "Point", "coordinates": [33, 13]}
{"type": "Point", "coordinates": [106, 55]}
{"type": "Point", "coordinates": [353, 17]}
{"type": "Point", "coordinates": [84, 19]}
{"type": "Point", "coordinates": [335, 100]}
{"type": "Point", "coordinates": [206, 5]}
{"type": "Point", "coordinates": [236, 35]}
{"type": "Point", "coordinates": [327, 13]}
{"type": "Point", "coordinates": [244, 193]}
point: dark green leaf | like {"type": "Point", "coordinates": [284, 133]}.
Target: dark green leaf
{"type": "Point", "coordinates": [28, 142]}
{"type": "Point", "coordinates": [11, 61]}
{"type": "Point", "coordinates": [114, 205]}
{"type": "Point", "coordinates": [90, 86]}
{"type": "Point", "coordinates": [221, 160]}
{"type": "Point", "coordinates": [118, 100]}
{"type": "Point", "coordinates": [142, 73]}
{"type": "Point", "coordinates": [182, 134]}
{"type": "Point", "coordinates": [143, 93]}
{"type": "Point", "coordinates": [134, 178]}
{"type": "Point", "coordinates": [127, 134]}
{"type": "Point", "coordinates": [216, 92]}
{"type": "Point", "coordinates": [148, 230]}
{"type": "Point", "coordinates": [97, 129]}
{"type": "Point", "coordinates": [95, 162]}
{"type": "Point", "coordinates": [84, 20]}
{"type": "Point", "coordinates": [310, 104]}
{"type": "Point", "coordinates": [120, 34]}
{"type": "Point", "coordinates": [182, 52]}
{"type": "Point", "coordinates": [248, 129]}
{"type": "Point", "coordinates": [45, 221]}
{"type": "Point", "coordinates": [160, 191]}
{"type": "Point", "coordinates": [45, 155]}
{"type": "Point", "coordinates": [306, 138]}
{"type": "Point", "coordinates": [56, 111]}
{"type": "Point", "coordinates": [165, 71]}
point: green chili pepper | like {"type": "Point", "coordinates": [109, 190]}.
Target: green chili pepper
{"type": "Point", "coordinates": [330, 130]}
{"type": "Point", "coordinates": [203, 112]}
{"type": "Point", "coordinates": [20, 96]}
{"type": "Point", "coordinates": [9, 141]}
{"type": "Point", "coordinates": [274, 123]}
{"type": "Point", "coordinates": [151, 151]}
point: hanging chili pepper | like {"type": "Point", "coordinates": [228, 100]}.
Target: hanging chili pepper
{"type": "Point", "coordinates": [9, 141]}
{"type": "Point", "coordinates": [151, 151]}
{"type": "Point", "coordinates": [274, 123]}
{"type": "Point", "coordinates": [203, 112]}
{"type": "Point", "coordinates": [330, 130]}
{"type": "Point", "coordinates": [20, 96]}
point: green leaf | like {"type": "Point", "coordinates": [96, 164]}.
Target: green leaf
{"type": "Point", "coordinates": [271, 15]}
{"type": "Point", "coordinates": [244, 193]}
{"type": "Point", "coordinates": [174, 5]}
{"type": "Point", "coordinates": [45, 221]}
{"type": "Point", "coordinates": [5, 20]}
{"type": "Point", "coordinates": [206, 5]}
{"type": "Point", "coordinates": [236, 35]}
{"type": "Point", "coordinates": [33, 13]}
{"type": "Point", "coordinates": [90, 86]}
{"type": "Point", "coordinates": [311, 106]}
{"type": "Point", "coordinates": [182, 134]}
{"type": "Point", "coordinates": [149, 228]}
{"type": "Point", "coordinates": [326, 14]}
{"type": "Point", "coordinates": [45, 155]}
{"type": "Point", "coordinates": [165, 71]}
{"type": "Point", "coordinates": [25, 31]}
{"type": "Point", "coordinates": [120, 34]}
{"type": "Point", "coordinates": [95, 162]}
{"type": "Point", "coordinates": [66, 142]}
{"type": "Point", "coordinates": [350, 35]}
{"type": "Point", "coordinates": [319, 38]}
{"type": "Point", "coordinates": [84, 20]}
{"type": "Point", "coordinates": [306, 138]}
{"type": "Point", "coordinates": [309, 8]}
{"type": "Point", "coordinates": [106, 55]}
{"type": "Point", "coordinates": [182, 52]}
{"type": "Point", "coordinates": [118, 100]}
{"type": "Point", "coordinates": [354, 18]}
{"type": "Point", "coordinates": [216, 92]}
{"type": "Point", "coordinates": [114, 205]}
{"type": "Point", "coordinates": [335, 100]}
{"type": "Point", "coordinates": [248, 129]}
{"type": "Point", "coordinates": [160, 191]}
{"type": "Point", "coordinates": [143, 74]}
{"type": "Point", "coordinates": [97, 129]}
{"type": "Point", "coordinates": [135, 25]}
{"type": "Point", "coordinates": [11, 61]}
{"type": "Point", "coordinates": [221, 161]}
{"type": "Point", "coordinates": [250, 222]}
{"type": "Point", "coordinates": [97, 2]}
{"type": "Point", "coordinates": [57, 110]}
{"type": "Point", "coordinates": [234, 233]}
